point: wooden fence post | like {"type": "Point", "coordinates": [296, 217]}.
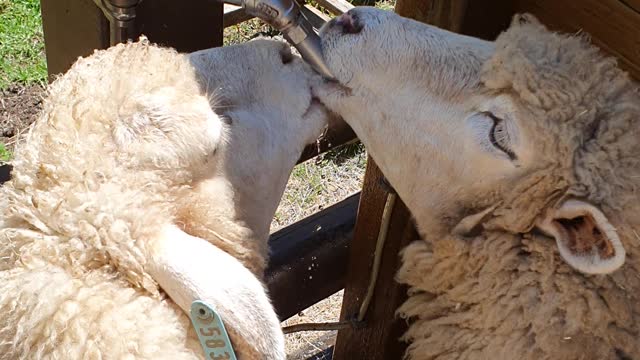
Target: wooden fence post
{"type": "Point", "coordinates": [377, 339]}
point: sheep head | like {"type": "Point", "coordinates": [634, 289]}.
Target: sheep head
{"type": "Point", "coordinates": [533, 131]}
{"type": "Point", "coordinates": [263, 92]}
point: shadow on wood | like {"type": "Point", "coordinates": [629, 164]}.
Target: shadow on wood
{"type": "Point", "coordinates": [5, 173]}
{"type": "Point", "coordinates": [377, 339]}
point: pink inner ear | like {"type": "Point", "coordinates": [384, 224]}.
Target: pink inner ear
{"type": "Point", "coordinates": [583, 235]}
{"type": "Point", "coordinates": [586, 239]}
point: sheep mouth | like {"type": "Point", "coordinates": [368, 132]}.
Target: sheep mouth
{"type": "Point", "coordinates": [314, 102]}
{"type": "Point", "coordinates": [339, 88]}
{"type": "Point", "coordinates": [582, 236]}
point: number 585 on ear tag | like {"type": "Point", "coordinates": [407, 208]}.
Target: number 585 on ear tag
{"type": "Point", "coordinates": [211, 332]}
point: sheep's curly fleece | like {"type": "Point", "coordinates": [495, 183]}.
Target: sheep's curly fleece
{"type": "Point", "coordinates": [72, 274]}
{"type": "Point", "coordinates": [507, 291]}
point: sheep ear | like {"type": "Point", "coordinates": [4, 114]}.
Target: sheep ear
{"type": "Point", "coordinates": [525, 19]}
{"type": "Point", "coordinates": [586, 239]}
{"type": "Point", "coordinates": [144, 117]}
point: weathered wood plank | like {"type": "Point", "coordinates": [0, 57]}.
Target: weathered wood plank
{"type": "Point", "coordinates": [445, 14]}
{"type": "Point", "coordinates": [234, 15]}
{"type": "Point", "coordinates": [184, 25]}
{"type": "Point", "coordinates": [633, 4]}
{"type": "Point", "coordinates": [336, 7]}
{"type": "Point", "coordinates": [487, 18]}
{"type": "Point", "coordinates": [613, 25]}
{"type": "Point", "coordinates": [414, 9]}
{"type": "Point", "coordinates": [316, 17]}
{"type": "Point", "coordinates": [377, 339]}
{"type": "Point", "coordinates": [72, 28]}
{"type": "Point", "coordinates": [309, 258]}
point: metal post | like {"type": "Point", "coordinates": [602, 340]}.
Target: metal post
{"type": "Point", "coordinates": [121, 15]}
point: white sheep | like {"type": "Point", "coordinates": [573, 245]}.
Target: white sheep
{"type": "Point", "coordinates": [149, 181]}
{"type": "Point", "coordinates": [519, 159]}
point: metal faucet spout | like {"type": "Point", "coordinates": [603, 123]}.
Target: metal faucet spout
{"type": "Point", "coordinates": [285, 15]}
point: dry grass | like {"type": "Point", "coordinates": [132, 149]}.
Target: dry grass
{"type": "Point", "coordinates": [307, 344]}
{"type": "Point", "coordinates": [246, 31]}
{"type": "Point", "coordinates": [319, 183]}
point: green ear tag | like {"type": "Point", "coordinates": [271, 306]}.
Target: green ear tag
{"type": "Point", "coordinates": [211, 332]}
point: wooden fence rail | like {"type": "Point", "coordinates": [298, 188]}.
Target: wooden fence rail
{"type": "Point", "coordinates": [308, 259]}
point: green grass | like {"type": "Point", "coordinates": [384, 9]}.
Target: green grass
{"type": "Point", "coordinates": [5, 155]}
{"type": "Point", "coordinates": [386, 5]}
{"type": "Point", "coordinates": [21, 43]}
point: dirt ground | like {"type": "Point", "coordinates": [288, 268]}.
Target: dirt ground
{"type": "Point", "coordinates": [19, 105]}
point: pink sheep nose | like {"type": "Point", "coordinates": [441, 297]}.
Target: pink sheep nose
{"type": "Point", "coordinates": [349, 23]}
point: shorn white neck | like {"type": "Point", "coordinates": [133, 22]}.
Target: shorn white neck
{"type": "Point", "coordinates": [190, 268]}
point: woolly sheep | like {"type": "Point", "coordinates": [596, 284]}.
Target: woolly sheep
{"type": "Point", "coordinates": [142, 160]}
{"type": "Point", "coordinates": [519, 160]}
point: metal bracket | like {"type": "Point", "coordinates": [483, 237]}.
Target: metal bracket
{"type": "Point", "coordinates": [121, 15]}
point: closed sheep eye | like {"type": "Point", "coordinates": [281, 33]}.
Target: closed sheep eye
{"type": "Point", "coordinates": [498, 135]}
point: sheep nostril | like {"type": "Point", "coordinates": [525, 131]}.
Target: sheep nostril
{"type": "Point", "coordinates": [349, 23]}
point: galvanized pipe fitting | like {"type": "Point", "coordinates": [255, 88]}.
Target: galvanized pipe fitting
{"type": "Point", "coordinates": [285, 15]}
{"type": "Point", "coordinates": [121, 15]}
